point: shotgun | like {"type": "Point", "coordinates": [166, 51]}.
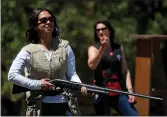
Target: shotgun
{"type": "Point", "coordinates": [77, 86]}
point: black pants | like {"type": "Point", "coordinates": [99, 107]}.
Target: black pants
{"type": "Point", "coordinates": [55, 109]}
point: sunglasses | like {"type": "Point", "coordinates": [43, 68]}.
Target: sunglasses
{"type": "Point", "coordinates": [45, 19]}
{"type": "Point", "coordinates": [102, 29]}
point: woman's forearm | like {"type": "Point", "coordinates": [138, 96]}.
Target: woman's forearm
{"type": "Point", "coordinates": [24, 82]}
{"type": "Point", "coordinates": [129, 82]}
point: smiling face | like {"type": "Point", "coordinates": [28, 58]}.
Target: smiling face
{"type": "Point", "coordinates": [102, 30]}
{"type": "Point", "coordinates": [45, 23]}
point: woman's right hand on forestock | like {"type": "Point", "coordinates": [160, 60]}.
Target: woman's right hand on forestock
{"type": "Point", "coordinates": [46, 85]}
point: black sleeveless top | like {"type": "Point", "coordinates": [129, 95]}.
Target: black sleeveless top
{"type": "Point", "coordinates": [109, 68]}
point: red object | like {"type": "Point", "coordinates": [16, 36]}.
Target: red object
{"type": "Point", "coordinates": [114, 85]}
{"type": "Point", "coordinates": [111, 53]}
{"type": "Point", "coordinates": [114, 76]}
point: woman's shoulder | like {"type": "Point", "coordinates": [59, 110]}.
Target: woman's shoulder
{"type": "Point", "coordinates": [61, 42]}
{"type": "Point", "coordinates": [95, 45]}
{"type": "Point", "coordinates": [31, 48]}
{"type": "Point", "coordinates": [64, 42]}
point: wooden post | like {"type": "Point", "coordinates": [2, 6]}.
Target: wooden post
{"type": "Point", "coordinates": [145, 49]}
{"type": "Point", "coordinates": [143, 74]}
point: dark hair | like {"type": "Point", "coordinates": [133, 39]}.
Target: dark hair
{"type": "Point", "coordinates": [110, 28]}
{"type": "Point", "coordinates": [31, 33]}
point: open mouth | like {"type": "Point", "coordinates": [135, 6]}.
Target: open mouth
{"type": "Point", "coordinates": [48, 27]}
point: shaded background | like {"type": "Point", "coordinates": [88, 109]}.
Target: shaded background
{"type": "Point", "coordinates": [76, 19]}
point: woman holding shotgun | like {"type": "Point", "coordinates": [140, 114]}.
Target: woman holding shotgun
{"type": "Point", "coordinates": [45, 58]}
{"type": "Point", "coordinates": [107, 60]}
